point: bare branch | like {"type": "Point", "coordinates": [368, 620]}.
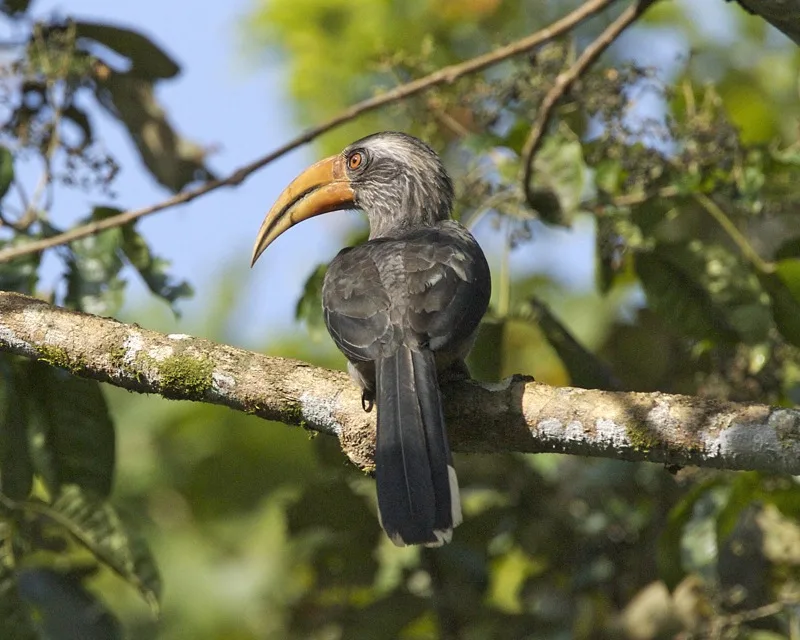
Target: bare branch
{"type": "Point", "coordinates": [564, 82]}
{"type": "Point", "coordinates": [515, 415]}
{"type": "Point", "coordinates": [445, 75]}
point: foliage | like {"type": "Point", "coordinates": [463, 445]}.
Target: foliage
{"type": "Point", "coordinates": [261, 531]}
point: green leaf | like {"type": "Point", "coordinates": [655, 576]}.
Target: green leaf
{"type": "Point", "coordinates": [485, 360]}
{"type": "Point", "coordinates": [789, 249]}
{"type": "Point", "coordinates": [6, 170]}
{"type": "Point", "coordinates": [559, 177]}
{"type": "Point", "coordinates": [98, 526]}
{"type": "Point", "coordinates": [670, 563]}
{"type": "Point", "coordinates": [21, 274]}
{"type": "Point", "coordinates": [789, 272]}
{"type": "Point", "coordinates": [93, 283]}
{"type": "Point", "coordinates": [609, 176]}
{"type": "Point", "coordinates": [16, 468]}
{"type": "Point", "coordinates": [148, 60]}
{"type": "Point", "coordinates": [15, 622]}
{"type": "Point", "coordinates": [309, 306]}
{"type": "Point", "coordinates": [783, 287]}
{"type": "Point", "coordinates": [338, 549]}
{"type": "Point", "coordinates": [152, 268]}
{"type": "Point", "coordinates": [585, 369]}
{"type": "Point", "coordinates": [394, 613]}
{"type": "Point", "coordinates": [680, 299]}
{"type": "Point", "coordinates": [71, 433]}
{"type": "Point", "coordinates": [745, 489]}
{"type": "Point", "coordinates": [174, 161]}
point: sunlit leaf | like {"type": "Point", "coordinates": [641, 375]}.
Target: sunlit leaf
{"type": "Point", "coordinates": [98, 526]}
{"type": "Point", "coordinates": [72, 435]}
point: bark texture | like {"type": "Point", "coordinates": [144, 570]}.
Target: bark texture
{"type": "Point", "coordinates": [517, 414]}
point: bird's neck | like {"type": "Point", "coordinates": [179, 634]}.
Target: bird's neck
{"type": "Point", "coordinates": [391, 225]}
{"type": "Point", "coordinates": [392, 217]}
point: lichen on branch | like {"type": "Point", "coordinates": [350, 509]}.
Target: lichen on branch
{"type": "Point", "coordinates": [517, 414]}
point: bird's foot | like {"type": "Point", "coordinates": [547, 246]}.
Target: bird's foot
{"type": "Point", "coordinates": [367, 401]}
{"type": "Point", "coordinates": [455, 372]}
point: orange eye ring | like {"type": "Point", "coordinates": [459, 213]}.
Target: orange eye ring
{"type": "Point", "coordinates": [355, 160]}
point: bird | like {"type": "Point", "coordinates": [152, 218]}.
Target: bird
{"type": "Point", "coordinates": [404, 308]}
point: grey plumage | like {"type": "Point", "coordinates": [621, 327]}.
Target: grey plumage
{"type": "Point", "coordinates": [403, 307]}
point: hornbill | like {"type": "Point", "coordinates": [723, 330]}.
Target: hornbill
{"type": "Point", "coordinates": [403, 307]}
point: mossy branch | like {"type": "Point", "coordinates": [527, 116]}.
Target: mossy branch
{"type": "Point", "coordinates": [515, 415]}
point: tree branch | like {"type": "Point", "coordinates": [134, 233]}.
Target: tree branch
{"type": "Point", "coordinates": [514, 415]}
{"type": "Point", "coordinates": [445, 75]}
{"type": "Point", "coordinates": [563, 83]}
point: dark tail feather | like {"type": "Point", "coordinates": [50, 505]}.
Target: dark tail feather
{"type": "Point", "coordinates": [418, 499]}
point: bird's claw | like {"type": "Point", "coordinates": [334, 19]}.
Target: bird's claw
{"type": "Point", "coordinates": [367, 402]}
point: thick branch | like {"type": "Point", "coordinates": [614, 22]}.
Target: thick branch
{"type": "Point", "coordinates": [515, 415]}
{"type": "Point", "coordinates": [445, 75]}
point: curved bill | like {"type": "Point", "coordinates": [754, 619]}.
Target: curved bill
{"type": "Point", "coordinates": [321, 188]}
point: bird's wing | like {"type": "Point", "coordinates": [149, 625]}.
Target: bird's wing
{"type": "Point", "coordinates": [356, 305]}
{"type": "Point", "coordinates": [430, 286]}
{"type": "Point", "coordinates": [448, 284]}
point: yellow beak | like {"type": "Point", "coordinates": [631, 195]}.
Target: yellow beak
{"type": "Point", "coordinates": [321, 188]}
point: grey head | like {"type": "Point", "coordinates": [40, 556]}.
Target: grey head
{"type": "Point", "coordinates": [399, 182]}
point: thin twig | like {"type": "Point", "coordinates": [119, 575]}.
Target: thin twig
{"type": "Point", "coordinates": [46, 179]}
{"type": "Point", "coordinates": [722, 623]}
{"type": "Point", "coordinates": [738, 238]}
{"type": "Point", "coordinates": [564, 82]}
{"type": "Point", "coordinates": [631, 199]}
{"type": "Point", "coordinates": [446, 75]}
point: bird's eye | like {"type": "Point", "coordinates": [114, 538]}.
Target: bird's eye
{"type": "Point", "coordinates": [355, 160]}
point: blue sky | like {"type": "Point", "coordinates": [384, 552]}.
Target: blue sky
{"type": "Point", "coordinates": [228, 97]}
{"type": "Point", "coordinates": [223, 97]}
